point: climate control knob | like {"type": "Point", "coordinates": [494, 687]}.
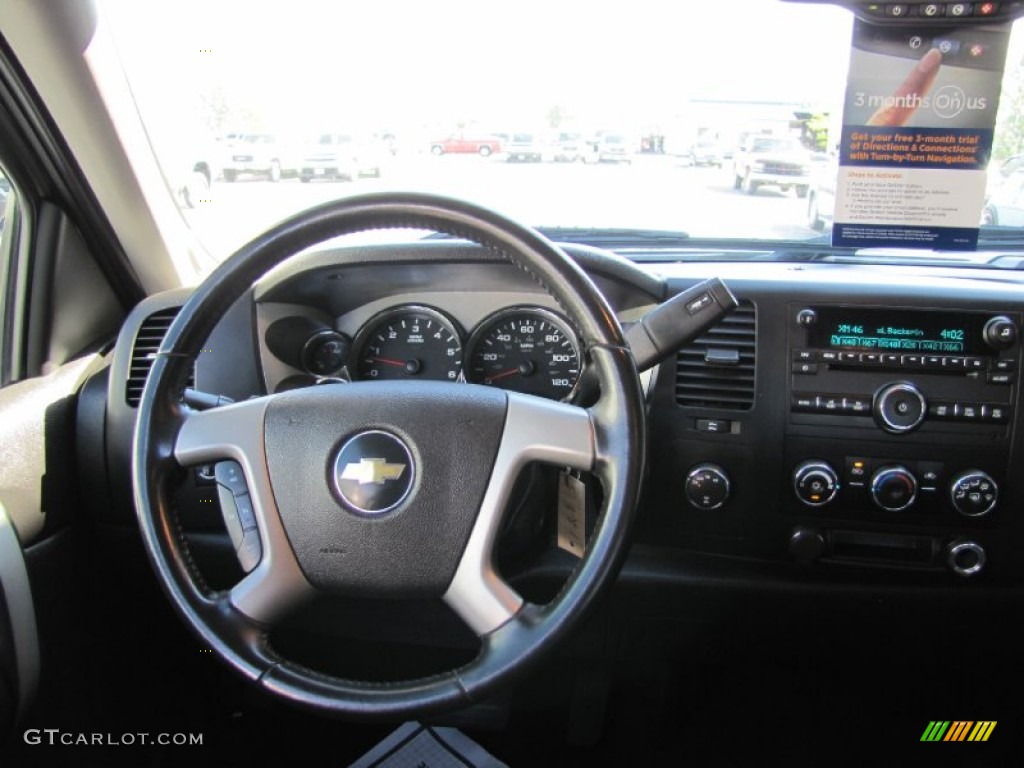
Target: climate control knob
{"type": "Point", "coordinates": [893, 488]}
{"type": "Point", "coordinates": [974, 493]}
{"type": "Point", "coordinates": [899, 407]}
{"type": "Point", "coordinates": [707, 486]}
{"type": "Point", "coordinates": [815, 483]}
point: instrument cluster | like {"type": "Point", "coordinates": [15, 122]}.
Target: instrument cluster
{"type": "Point", "coordinates": [525, 348]}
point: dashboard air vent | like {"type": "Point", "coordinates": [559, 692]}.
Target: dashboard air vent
{"type": "Point", "coordinates": [147, 342]}
{"type": "Point", "coordinates": [717, 369]}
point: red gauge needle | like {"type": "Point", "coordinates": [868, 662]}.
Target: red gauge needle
{"type": "Point", "coordinates": [387, 361]}
{"type": "Point", "coordinates": [504, 374]}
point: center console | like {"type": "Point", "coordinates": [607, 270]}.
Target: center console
{"type": "Point", "coordinates": [899, 419]}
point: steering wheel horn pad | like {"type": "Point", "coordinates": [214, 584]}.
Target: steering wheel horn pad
{"type": "Point", "coordinates": [468, 444]}
{"type": "Point", "coordinates": [452, 432]}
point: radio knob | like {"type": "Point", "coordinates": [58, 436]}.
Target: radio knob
{"type": "Point", "coordinates": [707, 486]}
{"type": "Point", "coordinates": [965, 558]}
{"type": "Point", "coordinates": [815, 483]}
{"type": "Point", "coordinates": [1000, 332]}
{"type": "Point", "coordinates": [974, 493]}
{"type": "Point", "coordinates": [899, 407]}
{"type": "Point", "coordinates": [893, 488]}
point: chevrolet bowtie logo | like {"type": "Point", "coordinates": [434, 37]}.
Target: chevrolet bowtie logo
{"type": "Point", "coordinates": [376, 471]}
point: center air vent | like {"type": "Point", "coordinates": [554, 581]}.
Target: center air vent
{"type": "Point", "coordinates": [717, 369]}
{"type": "Point", "coordinates": [147, 342]}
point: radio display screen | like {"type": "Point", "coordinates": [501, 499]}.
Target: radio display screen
{"type": "Point", "coordinates": [904, 331]}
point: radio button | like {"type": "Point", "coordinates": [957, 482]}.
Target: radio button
{"type": "Point", "coordinates": [957, 363]}
{"type": "Point", "coordinates": [995, 413]}
{"type": "Point", "coordinates": [1000, 378]}
{"type": "Point", "coordinates": [849, 357]}
{"type": "Point", "coordinates": [891, 359]}
{"type": "Point", "coordinates": [1005, 364]}
{"type": "Point", "coordinates": [912, 361]}
{"type": "Point", "coordinates": [806, 403]}
{"type": "Point", "coordinates": [932, 361]}
{"type": "Point", "coordinates": [870, 358]}
{"type": "Point", "coordinates": [941, 410]}
{"type": "Point", "coordinates": [808, 369]}
{"type": "Point", "coordinates": [829, 356]}
{"type": "Point", "coordinates": [805, 355]}
{"type": "Point", "coordinates": [830, 404]}
{"type": "Point", "coordinates": [974, 363]}
{"type": "Point", "coordinates": [859, 406]}
{"type": "Point", "coordinates": [968, 411]}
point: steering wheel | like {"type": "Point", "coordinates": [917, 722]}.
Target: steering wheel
{"type": "Point", "coordinates": [332, 516]}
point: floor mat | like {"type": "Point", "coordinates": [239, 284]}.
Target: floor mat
{"type": "Point", "coordinates": [413, 745]}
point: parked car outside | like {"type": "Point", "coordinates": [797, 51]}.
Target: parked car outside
{"type": "Point", "coordinates": [614, 148]}
{"type": "Point", "coordinates": [569, 148]}
{"type": "Point", "coordinates": [779, 161]}
{"type": "Point", "coordinates": [704, 152]}
{"type": "Point", "coordinates": [257, 154]}
{"type": "Point", "coordinates": [527, 148]}
{"type": "Point", "coordinates": [340, 156]}
{"type": "Point", "coordinates": [485, 146]}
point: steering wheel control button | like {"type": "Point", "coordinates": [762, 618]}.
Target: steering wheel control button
{"type": "Point", "coordinates": [815, 483]}
{"type": "Point", "coordinates": [249, 550]}
{"type": "Point", "coordinates": [1000, 332]}
{"type": "Point", "coordinates": [246, 514]}
{"type": "Point", "coordinates": [974, 493]}
{"type": "Point", "coordinates": [899, 407]}
{"type": "Point", "coordinates": [965, 558]}
{"type": "Point", "coordinates": [707, 487]}
{"type": "Point", "coordinates": [373, 472]}
{"type": "Point", "coordinates": [229, 475]}
{"type": "Point", "coordinates": [229, 511]}
{"type": "Point", "coordinates": [893, 488]}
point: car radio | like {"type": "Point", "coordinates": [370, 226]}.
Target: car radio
{"type": "Point", "coordinates": [900, 370]}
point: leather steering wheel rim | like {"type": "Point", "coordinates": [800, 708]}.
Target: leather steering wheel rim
{"type": "Point", "coordinates": [609, 441]}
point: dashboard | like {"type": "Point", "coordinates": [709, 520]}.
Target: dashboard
{"type": "Point", "coordinates": [846, 424]}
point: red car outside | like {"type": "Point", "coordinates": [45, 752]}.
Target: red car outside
{"type": "Point", "coordinates": [483, 146]}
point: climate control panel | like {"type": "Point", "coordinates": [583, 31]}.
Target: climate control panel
{"type": "Point", "coordinates": [873, 486]}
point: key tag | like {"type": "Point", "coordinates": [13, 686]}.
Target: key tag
{"type": "Point", "coordinates": [572, 514]}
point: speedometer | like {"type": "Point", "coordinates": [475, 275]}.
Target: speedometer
{"type": "Point", "coordinates": [525, 349]}
{"type": "Point", "coordinates": [409, 342]}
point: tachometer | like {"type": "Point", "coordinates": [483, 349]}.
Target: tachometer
{"type": "Point", "coordinates": [525, 349]}
{"type": "Point", "coordinates": [409, 342]}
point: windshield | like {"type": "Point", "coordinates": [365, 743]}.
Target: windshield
{"type": "Point", "coordinates": [554, 114]}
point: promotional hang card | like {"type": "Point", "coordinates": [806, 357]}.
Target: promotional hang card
{"type": "Point", "coordinates": [917, 135]}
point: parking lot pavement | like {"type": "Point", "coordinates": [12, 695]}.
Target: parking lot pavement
{"type": "Point", "coordinates": [652, 192]}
